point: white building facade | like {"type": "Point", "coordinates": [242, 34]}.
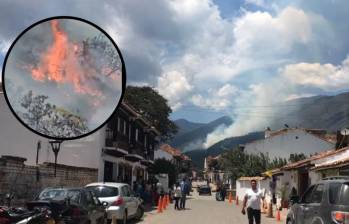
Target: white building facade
{"type": "Point", "coordinates": [284, 142]}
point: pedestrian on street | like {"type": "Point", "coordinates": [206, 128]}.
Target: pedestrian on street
{"type": "Point", "coordinates": [252, 201]}
{"type": "Point", "coordinates": [177, 195]}
{"type": "Point", "coordinates": [184, 191]}
{"type": "Point", "coordinates": [223, 192]}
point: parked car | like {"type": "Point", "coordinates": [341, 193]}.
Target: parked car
{"type": "Point", "coordinates": [70, 205]}
{"type": "Point", "coordinates": [204, 190]}
{"type": "Point", "coordinates": [324, 202]}
{"type": "Point", "coordinates": [122, 202]}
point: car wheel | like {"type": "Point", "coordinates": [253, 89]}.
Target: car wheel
{"type": "Point", "coordinates": [124, 219]}
{"type": "Point", "coordinates": [140, 213]}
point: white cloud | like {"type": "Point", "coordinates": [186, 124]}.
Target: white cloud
{"type": "Point", "coordinates": [260, 34]}
{"type": "Point", "coordinates": [4, 46]}
{"type": "Point", "coordinates": [174, 86]}
{"type": "Point", "coordinates": [297, 96]}
{"type": "Point", "coordinates": [328, 77]}
{"type": "Point", "coordinates": [260, 3]}
{"type": "Point", "coordinates": [216, 99]}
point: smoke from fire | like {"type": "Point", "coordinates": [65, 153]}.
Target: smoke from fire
{"type": "Point", "coordinates": [251, 112]}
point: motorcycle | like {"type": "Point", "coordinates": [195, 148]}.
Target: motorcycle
{"type": "Point", "coordinates": [14, 215]}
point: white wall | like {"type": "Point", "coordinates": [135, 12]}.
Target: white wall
{"type": "Point", "coordinates": [292, 141]}
{"type": "Point", "coordinates": [243, 185]}
{"type": "Point", "coordinates": [17, 140]}
{"type": "Point", "coordinates": [159, 154]}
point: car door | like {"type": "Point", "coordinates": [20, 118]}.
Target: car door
{"type": "Point", "coordinates": [303, 207]}
{"type": "Point", "coordinates": [126, 196]}
{"type": "Point", "coordinates": [135, 201]}
{"type": "Point", "coordinates": [132, 201]}
{"type": "Point", "coordinates": [312, 214]}
{"type": "Point", "coordinates": [85, 212]}
{"type": "Point", "coordinates": [95, 211]}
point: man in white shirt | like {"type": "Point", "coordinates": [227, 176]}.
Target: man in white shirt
{"type": "Point", "coordinates": [252, 201]}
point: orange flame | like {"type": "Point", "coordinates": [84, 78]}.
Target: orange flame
{"type": "Point", "coordinates": [60, 64]}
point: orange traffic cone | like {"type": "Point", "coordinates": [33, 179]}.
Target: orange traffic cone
{"type": "Point", "coordinates": [230, 198]}
{"type": "Point", "coordinates": [237, 200]}
{"type": "Point", "coordinates": [164, 203]}
{"type": "Point", "coordinates": [278, 217]}
{"type": "Point", "coordinates": [160, 205]}
{"type": "Point", "coordinates": [166, 200]}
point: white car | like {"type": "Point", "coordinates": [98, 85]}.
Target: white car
{"type": "Point", "coordinates": [122, 202]}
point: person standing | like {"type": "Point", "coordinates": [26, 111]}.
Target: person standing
{"type": "Point", "coordinates": [184, 192]}
{"type": "Point", "coordinates": [252, 201]}
{"type": "Point", "coordinates": [177, 195]}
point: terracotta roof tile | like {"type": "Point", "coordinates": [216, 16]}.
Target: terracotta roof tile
{"type": "Point", "coordinates": [169, 149]}
{"type": "Point", "coordinates": [334, 164]}
{"type": "Point", "coordinates": [320, 133]}
{"type": "Point", "coordinates": [307, 161]}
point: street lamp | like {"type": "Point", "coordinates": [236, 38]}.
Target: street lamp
{"type": "Point", "coordinates": [56, 145]}
{"type": "Point", "coordinates": [38, 147]}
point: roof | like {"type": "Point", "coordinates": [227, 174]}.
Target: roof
{"type": "Point", "coordinates": [319, 133]}
{"type": "Point", "coordinates": [138, 116]}
{"type": "Point", "coordinates": [334, 164]}
{"type": "Point", "coordinates": [109, 184]}
{"type": "Point", "coordinates": [269, 173]}
{"type": "Point", "coordinates": [307, 161]}
{"type": "Point", "coordinates": [169, 149]}
{"type": "Point", "coordinates": [251, 178]}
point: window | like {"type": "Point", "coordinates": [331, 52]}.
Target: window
{"type": "Point", "coordinates": [119, 124]}
{"type": "Point", "coordinates": [145, 141]}
{"type": "Point", "coordinates": [334, 190]}
{"type": "Point", "coordinates": [339, 193]}
{"type": "Point", "coordinates": [124, 131]}
{"type": "Point", "coordinates": [129, 132]}
{"type": "Point", "coordinates": [125, 191]}
{"type": "Point", "coordinates": [74, 196]}
{"type": "Point", "coordinates": [307, 195]}
{"type": "Point", "coordinates": [317, 194]}
{"type": "Point", "coordinates": [104, 191]}
{"type": "Point", "coordinates": [89, 199]}
{"type": "Point", "coordinates": [137, 134]}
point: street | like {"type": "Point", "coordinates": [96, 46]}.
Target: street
{"type": "Point", "coordinates": [202, 210]}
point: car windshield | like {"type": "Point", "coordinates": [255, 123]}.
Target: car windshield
{"type": "Point", "coordinates": [339, 193]}
{"type": "Point", "coordinates": [104, 191]}
{"type": "Point", "coordinates": [50, 194]}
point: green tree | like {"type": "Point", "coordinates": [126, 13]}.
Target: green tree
{"type": "Point", "coordinates": [295, 157]}
{"type": "Point", "coordinates": [165, 166]}
{"type": "Point", "coordinates": [153, 107]}
{"type": "Point", "coordinates": [237, 163]}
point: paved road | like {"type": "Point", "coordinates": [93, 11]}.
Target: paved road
{"type": "Point", "coordinates": [202, 210]}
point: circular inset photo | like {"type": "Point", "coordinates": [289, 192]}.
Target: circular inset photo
{"type": "Point", "coordinates": [63, 77]}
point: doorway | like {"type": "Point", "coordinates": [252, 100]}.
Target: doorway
{"type": "Point", "coordinates": [108, 171]}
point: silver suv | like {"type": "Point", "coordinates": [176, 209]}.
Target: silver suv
{"type": "Point", "coordinates": [324, 202]}
{"type": "Point", "coordinates": [122, 202]}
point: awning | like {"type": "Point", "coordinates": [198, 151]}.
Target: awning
{"type": "Point", "coordinates": [113, 151]}
{"type": "Point", "coordinates": [133, 157]}
{"type": "Point", "coordinates": [147, 162]}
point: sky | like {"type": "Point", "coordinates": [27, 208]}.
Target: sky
{"type": "Point", "coordinates": [210, 58]}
